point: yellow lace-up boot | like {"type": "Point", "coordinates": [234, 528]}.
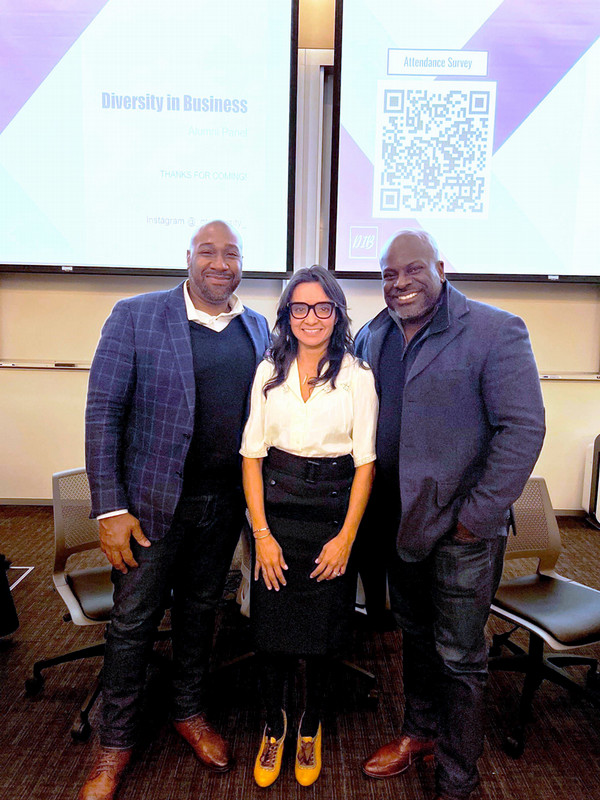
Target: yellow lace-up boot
{"type": "Point", "coordinates": [308, 757]}
{"type": "Point", "coordinates": [268, 761]}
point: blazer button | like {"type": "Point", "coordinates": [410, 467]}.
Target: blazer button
{"type": "Point", "coordinates": [334, 494]}
{"type": "Point", "coordinates": [272, 482]}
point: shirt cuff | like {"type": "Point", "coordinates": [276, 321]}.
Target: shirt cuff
{"type": "Point", "coordinates": [254, 453]}
{"type": "Point", "coordinates": [116, 513]}
{"type": "Point", "coordinates": [360, 462]}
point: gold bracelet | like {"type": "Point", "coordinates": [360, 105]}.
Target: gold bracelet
{"type": "Point", "coordinates": [264, 536]}
{"type": "Point", "coordinates": [258, 530]}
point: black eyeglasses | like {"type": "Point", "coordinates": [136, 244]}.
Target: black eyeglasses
{"type": "Point", "coordinates": [301, 310]}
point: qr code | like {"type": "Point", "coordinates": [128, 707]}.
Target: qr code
{"type": "Point", "coordinates": [433, 148]}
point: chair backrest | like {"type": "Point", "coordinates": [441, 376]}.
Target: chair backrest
{"type": "Point", "coordinates": [74, 531]}
{"type": "Point", "coordinates": [537, 533]}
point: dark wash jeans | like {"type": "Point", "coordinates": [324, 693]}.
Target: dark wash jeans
{"type": "Point", "coordinates": [193, 560]}
{"type": "Point", "coordinates": [442, 604]}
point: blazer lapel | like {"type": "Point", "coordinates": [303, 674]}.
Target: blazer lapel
{"type": "Point", "coordinates": [258, 339]}
{"type": "Point", "coordinates": [179, 331]}
{"type": "Point", "coordinates": [379, 329]}
{"type": "Point", "coordinates": [437, 340]}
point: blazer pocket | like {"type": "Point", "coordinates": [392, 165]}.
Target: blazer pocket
{"type": "Point", "coordinates": [447, 491]}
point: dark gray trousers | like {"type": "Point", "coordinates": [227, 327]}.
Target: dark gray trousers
{"type": "Point", "coordinates": [192, 561]}
{"type": "Point", "coordinates": [442, 604]}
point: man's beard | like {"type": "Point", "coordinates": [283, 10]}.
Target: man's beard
{"type": "Point", "coordinates": [217, 294]}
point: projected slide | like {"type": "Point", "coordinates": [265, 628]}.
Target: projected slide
{"type": "Point", "coordinates": [477, 121]}
{"type": "Point", "coordinates": [125, 124]}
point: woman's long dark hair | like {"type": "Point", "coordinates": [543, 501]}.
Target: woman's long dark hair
{"type": "Point", "coordinates": [285, 345]}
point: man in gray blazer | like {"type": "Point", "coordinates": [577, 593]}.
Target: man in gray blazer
{"type": "Point", "coordinates": [168, 398]}
{"type": "Point", "coordinates": [460, 428]}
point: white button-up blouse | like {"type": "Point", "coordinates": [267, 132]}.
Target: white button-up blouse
{"type": "Point", "coordinates": [331, 423]}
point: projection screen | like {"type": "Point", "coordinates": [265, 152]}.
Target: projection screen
{"type": "Point", "coordinates": [477, 121]}
{"type": "Point", "coordinates": [125, 124]}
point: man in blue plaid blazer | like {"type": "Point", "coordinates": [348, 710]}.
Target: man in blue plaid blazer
{"type": "Point", "coordinates": [168, 398]}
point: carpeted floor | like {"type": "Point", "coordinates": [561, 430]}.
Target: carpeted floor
{"type": "Point", "coordinates": [39, 760]}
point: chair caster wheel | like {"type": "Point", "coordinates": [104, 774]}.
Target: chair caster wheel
{"type": "Point", "coordinates": [80, 732]}
{"type": "Point", "coordinates": [514, 746]}
{"type": "Point", "coordinates": [33, 686]}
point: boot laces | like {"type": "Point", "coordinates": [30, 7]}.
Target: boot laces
{"type": "Point", "coordinates": [306, 751]}
{"type": "Point", "coordinates": [107, 761]}
{"type": "Point", "coordinates": [267, 760]}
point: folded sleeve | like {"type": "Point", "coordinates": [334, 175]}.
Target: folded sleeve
{"type": "Point", "coordinates": [254, 436]}
{"type": "Point", "coordinates": [366, 408]}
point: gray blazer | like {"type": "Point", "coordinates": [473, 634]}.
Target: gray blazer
{"type": "Point", "coordinates": [472, 422]}
{"type": "Point", "coordinates": [140, 408]}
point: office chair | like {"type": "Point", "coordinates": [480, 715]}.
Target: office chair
{"type": "Point", "coordinates": [87, 591]}
{"type": "Point", "coordinates": [553, 609]}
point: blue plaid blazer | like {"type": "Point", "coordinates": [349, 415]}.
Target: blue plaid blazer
{"type": "Point", "coordinates": [140, 406]}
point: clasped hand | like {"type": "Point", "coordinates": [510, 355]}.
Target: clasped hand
{"type": "Point", "coordinates": [331, 561]}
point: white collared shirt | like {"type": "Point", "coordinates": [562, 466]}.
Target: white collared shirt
{"type": "Point", "coordinates": [331, 423]}
{"type": "Point", "coordinates": [216, 323]}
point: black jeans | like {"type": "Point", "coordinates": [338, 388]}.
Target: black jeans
{"type": "Point", "coordinates": [193, 560]}
{"type": "Point", "coordinates": [442, 604]}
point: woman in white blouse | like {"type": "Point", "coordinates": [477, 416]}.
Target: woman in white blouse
{"type": "Point", "coordinates": [308, 453]}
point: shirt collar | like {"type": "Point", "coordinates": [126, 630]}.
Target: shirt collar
{"type": "Point", "coordinates": [202, 318]}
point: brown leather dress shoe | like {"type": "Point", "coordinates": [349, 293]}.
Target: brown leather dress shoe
{"type": "Point", "coordinates": [397, 756]}
{"type": "Point", "coordinates": [105, 776]}
{"type": "Point", "coordinates": [209, 746]}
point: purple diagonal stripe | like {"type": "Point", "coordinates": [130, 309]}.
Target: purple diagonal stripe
{"type": "Point", "coordinates": [532, 44]}
{"type": "Point", "coordinates": [34, 36]}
